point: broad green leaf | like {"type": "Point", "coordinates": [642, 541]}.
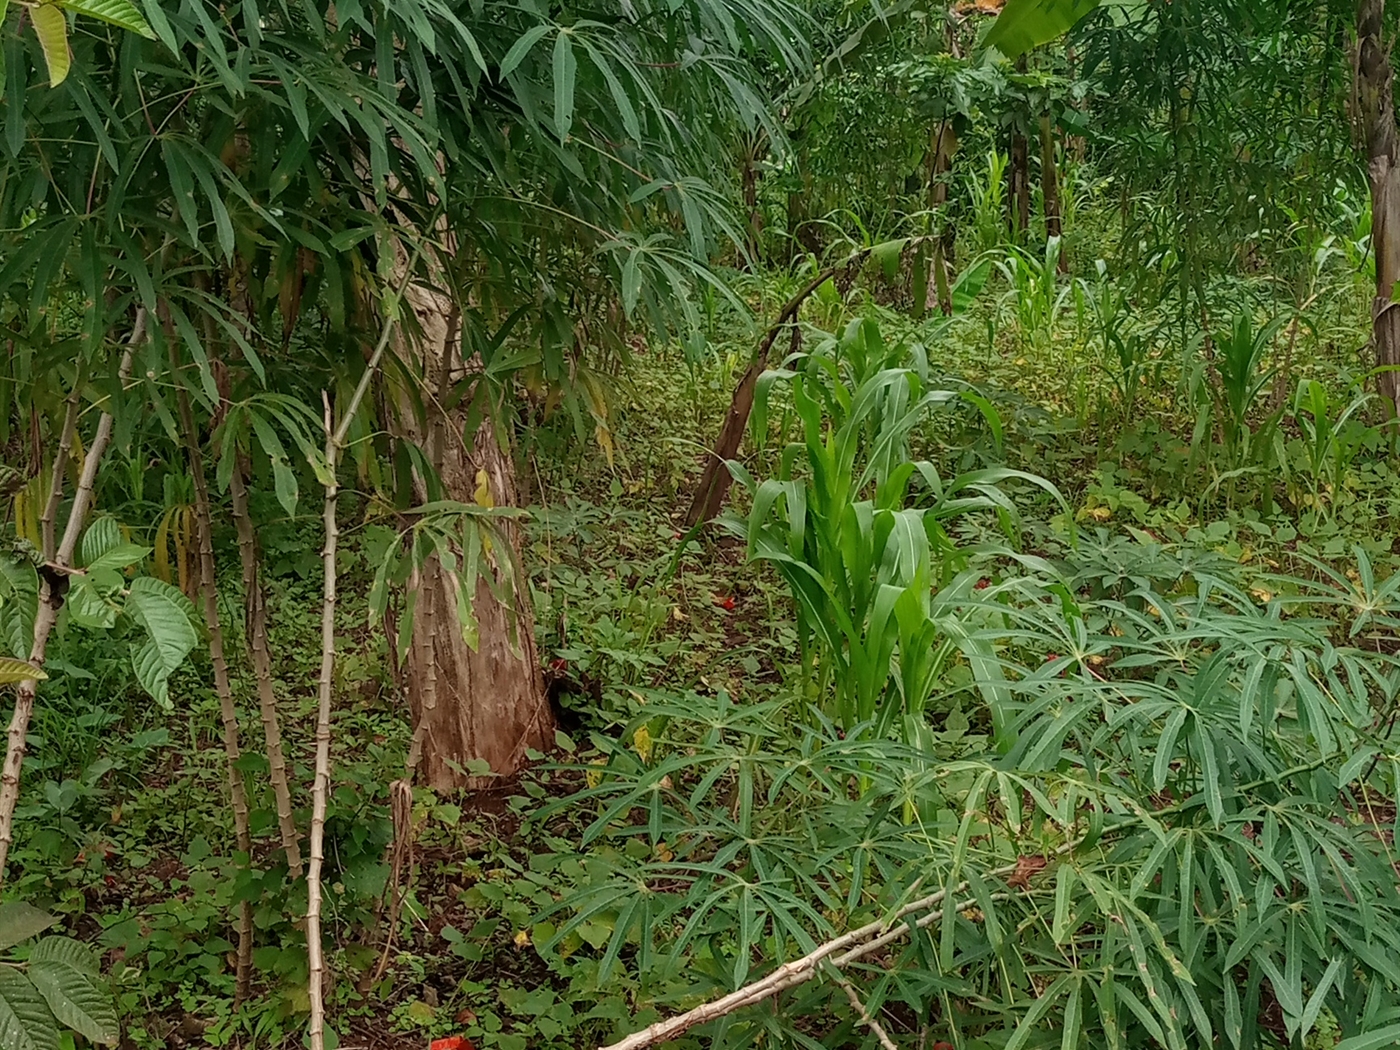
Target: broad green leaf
{"type": "Point", "coordinates": [102, 535]}
{"type": "Point", "coordinates": [13, 671]}
{"type": "Point", "coordinates": [119, 557]}
{"type": "Point", "coordinates": [1025, 24]}
{"type": "Point", "coordinates": [151, 672]}
{"type": "Point", "coordinates": [26, 1022]}
{"type": "Point", "coordinates": [121, 13]}
{"type": "Point", "coordinates": [20, 921]}
{"type": "Point", "coordinates": [157, 609]}
{"type": "Point", "coordinates": [51, 27]}
{"type": "Point", "coordinates": [76, 1000]}
{"type": "Point", "coordinates": [69, 952]}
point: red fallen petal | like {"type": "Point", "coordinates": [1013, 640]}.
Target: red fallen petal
{"type": "Point", "coordinates": [982, 585]}
{"type": "Point", "coordinates": [452, 1042]}
{"type": "Point", "coordinates": [559, 665]}
{"type": "Point", "coordinates": [728, 603]}
{"type": "Point", "coordinates": [1051, 656]}
{"type": "Point", "coordinates": [943, 1046]}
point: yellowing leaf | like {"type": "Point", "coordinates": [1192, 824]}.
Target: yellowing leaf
{"type": "Point", "coordinates": [641, 743]}
{"type": "Point", "coordinates": [51, 27]}
{"type": "Point", "coordinates": [13, 671]}
{"type": "Point", "coordinates": [482, 495]}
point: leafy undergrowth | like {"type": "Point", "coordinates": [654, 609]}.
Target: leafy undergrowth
{"type": "Point", "coordinates": [1183, 699]}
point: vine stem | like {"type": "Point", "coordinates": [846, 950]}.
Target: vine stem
{"type": "Point", "coordinates": [51, 599]}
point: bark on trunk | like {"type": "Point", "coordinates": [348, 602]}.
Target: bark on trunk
{"type": "Point", "coordinates": [939, 289]}
{"type": "Point", "coordinates": [1374, 92]}
{"type": "Point", "coordinates": [489, 702]}
{"type": "Point", "coordinates": [484, 703]}
{"type": "Point", "coordinates": [1050, 186]}
{"type": "Point", "coordinates": [1018, 171]}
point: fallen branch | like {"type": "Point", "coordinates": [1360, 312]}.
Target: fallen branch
{"type": "Point", "coordinates": [861, 1012]}
{"type": "Point", "coordinates": [848, 948]}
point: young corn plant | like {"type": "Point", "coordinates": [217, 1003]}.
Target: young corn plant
{"type": "Point", "coordinates": [859, 530]}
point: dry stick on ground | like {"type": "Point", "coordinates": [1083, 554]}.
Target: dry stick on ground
{"type": "Point", "coordinates": [335, 442]}
{"type": "Point", "coordinates": [853, 946]}
{"type": "Point", "coordinates": [228, 712]}
{"type": "Point", "coordinates": [256, 629]}
{"type": "Point", "coordinates": [714, 482]}
{"type": "Point", "coordinates": [51, 600]}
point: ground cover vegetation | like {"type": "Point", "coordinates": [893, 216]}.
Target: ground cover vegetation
{"type": "Point", "coordinates": [745, 523]}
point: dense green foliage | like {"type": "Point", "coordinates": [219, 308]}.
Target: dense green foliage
{"type": "Point", "coordinates": [1042, 666]}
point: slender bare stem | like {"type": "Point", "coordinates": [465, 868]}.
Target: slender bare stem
{"type": "Point", "coordinates": [262, 671]}
{"type": "Point", "coordinates": [320, 789]}
{"type": "Point", "coordinates": [60, 462]}
{"type": "Point", "coordinates": [51, 600]}
{"type": "Point", "coordinates": [335, 442]}
{"type": "Point", "coordinates": [238, 795]}
{"type": "Point", "coordinates": [859, 1007]}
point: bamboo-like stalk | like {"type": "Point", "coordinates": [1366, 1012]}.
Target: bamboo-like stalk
{"type": "Point", "coordinates": [51, 600]}
{"type": "Point", "coordinates": [256, 620]}
{"type": "Point", "coordinates": [228, 711]}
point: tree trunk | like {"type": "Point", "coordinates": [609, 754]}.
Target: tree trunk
{"type": "Point", "coordinates": [1018, 170]}
{"type": "Point", "coordinates": [228, 711]}
{"type": "Point", "coordinates": [939, 289]}
{"type": "Point", "coordinates": [1050, 186]}
{"type": "Point", "coordinates": [714, 481]}
{"type": "Point", "coordinates": [1376, 104]}
{"type": "Point", "coordinates": [488, 702]}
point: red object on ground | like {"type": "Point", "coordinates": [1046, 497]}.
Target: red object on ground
{"type": "Point", "coordinates": [452, 1042]}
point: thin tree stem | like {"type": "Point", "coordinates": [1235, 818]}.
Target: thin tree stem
{"type": "Point", "coordinates": [60, 463]}
{"type": "Point", "coordinates": [228, 711]}
{"type": "Point", "coordinates": [51, 600]}
{"type": "Point", "coordinates": [256, 610]}
{"type": "Point", "coordinates": [335, 441]}
{"type": "Point", "coordinates": [320, 789]}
